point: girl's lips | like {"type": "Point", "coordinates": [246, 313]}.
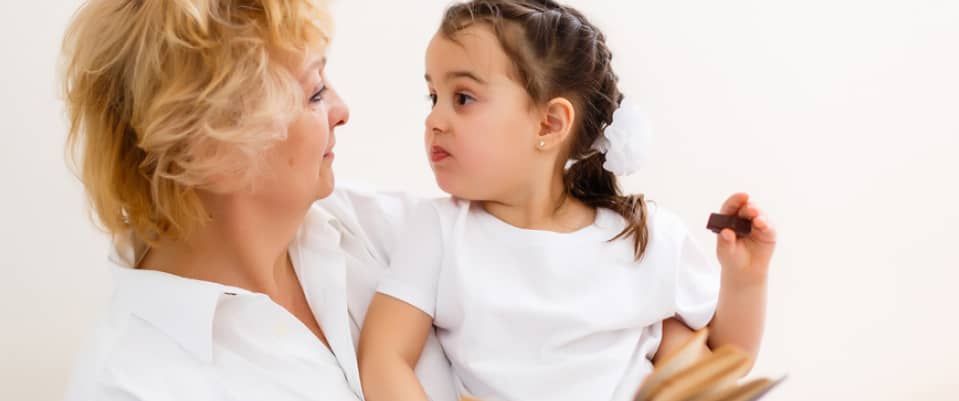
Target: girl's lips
{"type": "Point", "coordinates": [438, 154]}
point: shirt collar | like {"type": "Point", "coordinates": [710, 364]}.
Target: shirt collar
{"type": "Point", "coordinates": [181, 308]}
{"type": "Point", "coordinates": [319, 229]}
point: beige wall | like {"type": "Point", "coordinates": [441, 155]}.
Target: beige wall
{"type": "Point", "coordinates": [839, 116]}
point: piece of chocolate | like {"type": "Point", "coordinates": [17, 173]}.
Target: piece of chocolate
{"type": "Point", "coordinates": [717, 222]}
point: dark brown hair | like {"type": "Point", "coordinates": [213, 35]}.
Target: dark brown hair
{"type": "Point", "coordinates": [556, 51]}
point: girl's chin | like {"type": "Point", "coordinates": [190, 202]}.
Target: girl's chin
{"type": "Point", "coordinates": [454, 188]}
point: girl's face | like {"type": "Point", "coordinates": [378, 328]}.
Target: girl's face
{"type": "Point", "coordinates": [482, 131]}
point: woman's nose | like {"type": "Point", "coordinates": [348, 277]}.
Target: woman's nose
{"type": "Point", "coordinates": [339, 112]}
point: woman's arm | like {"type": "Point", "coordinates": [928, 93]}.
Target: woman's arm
{"type": "Point", "coordinates": [390, 345]}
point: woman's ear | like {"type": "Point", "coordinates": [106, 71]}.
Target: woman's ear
{"type": "Point", "coordinates": [557, 123]}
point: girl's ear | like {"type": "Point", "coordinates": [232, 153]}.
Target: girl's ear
{"type": "Point", "coordinates": [557, 123]}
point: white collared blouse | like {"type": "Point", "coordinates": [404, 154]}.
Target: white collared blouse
{"type": "Point", "coordinates": [165, 337]}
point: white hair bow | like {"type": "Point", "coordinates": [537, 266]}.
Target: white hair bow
{"type": "Point", "coordinates": [625, 142]}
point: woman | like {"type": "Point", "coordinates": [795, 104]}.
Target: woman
{"type": "Point", "coordinates": [204, 132]}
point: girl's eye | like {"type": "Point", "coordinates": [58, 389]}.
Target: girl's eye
{"type": "Point", "coordinates": [318, 96]}
{"type": "Point", "coordinates": [432, 99]}
{"type": "Point", "coordinates": [463, 99]}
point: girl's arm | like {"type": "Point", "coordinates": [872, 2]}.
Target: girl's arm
{"type": "Point", "coordinates": [675, 334]}
{"type": "Point", "coordinates": [741, 311]}
{"type": "Point", "coordinates": [740, 317]}
{"type": "Point", "coordinates": [391, 342]}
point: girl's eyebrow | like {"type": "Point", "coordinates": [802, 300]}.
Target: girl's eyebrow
{"type": "Point", "coordinates": [459, 74]}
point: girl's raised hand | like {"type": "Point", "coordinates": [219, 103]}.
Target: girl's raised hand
{"type": "Point", "coordinates": [746, 260]}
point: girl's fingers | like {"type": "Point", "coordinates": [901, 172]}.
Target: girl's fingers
{"type": "Point", "coordinates": [734, 203]}
{"type": "Point", "coordinates": [749, 211]}
{"type": "Point", "coordinates": [726, 243]}
{"type": "Point", "coordinates": [728, 236]}
{"type": "Point", "coordinates": [760, 223]}
{"type": "Point", "coordinates": [763, 230]}
{"type": "Point", "coordinates": [732, 252]}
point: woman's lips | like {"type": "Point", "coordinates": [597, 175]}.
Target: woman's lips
{"type": "Point", "coordinates": [329, 153]}
{"type": "Point", "coordinates": [438, 154]}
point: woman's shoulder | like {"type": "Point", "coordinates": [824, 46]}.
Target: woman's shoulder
{"type": "Point", "coordinates": [124, 356]}
{"type": "Point", "coordinates": [363, 204]}
{"type": "Point", "coordinates": [155, 325]}
{"type": "Point", "coordinates": [376, 217]}
{"type": "Point", "coordinates": [447, 207]}
{"type": "Point", "coordinates": [436, 214]}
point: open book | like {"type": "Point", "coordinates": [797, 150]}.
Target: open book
{"type": "Point", "coordinates": [694, 374]}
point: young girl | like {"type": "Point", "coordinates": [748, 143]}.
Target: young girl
{"type": "Point", "coordinates": [543, 282]}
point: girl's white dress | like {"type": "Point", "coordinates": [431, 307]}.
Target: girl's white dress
{"type": "Point", "coordinates": [527, 315]}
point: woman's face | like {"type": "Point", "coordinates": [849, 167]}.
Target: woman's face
{"type": "Point", "coordinates": [299, 169]}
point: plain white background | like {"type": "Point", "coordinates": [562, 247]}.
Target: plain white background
{"type": "Point", "coordinates": [841, 117]}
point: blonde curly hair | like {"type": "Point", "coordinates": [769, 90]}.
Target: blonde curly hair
{"type": "Point", "coordinates": [165, 95]}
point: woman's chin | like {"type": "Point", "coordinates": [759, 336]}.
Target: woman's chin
{"type": "Point", "coordinates": [325, 185]}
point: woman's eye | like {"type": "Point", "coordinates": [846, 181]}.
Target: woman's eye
{"type": "Point", "coordinates": [463, 99]}
{"type": "Point", "coordinates": [318, 96]}
{"type": "Point", "coordinates": [432, 99]}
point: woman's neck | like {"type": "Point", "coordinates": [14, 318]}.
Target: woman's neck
{"type": "Point", "coordinates": [240, 247]}
{"type": "Point", "coordinates": [544, 206]}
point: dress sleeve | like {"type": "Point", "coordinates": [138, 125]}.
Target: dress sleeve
{"type": "Point", "coordinates": [697, 284]}
{"type": "Point", "coordinates": [416, 261]}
